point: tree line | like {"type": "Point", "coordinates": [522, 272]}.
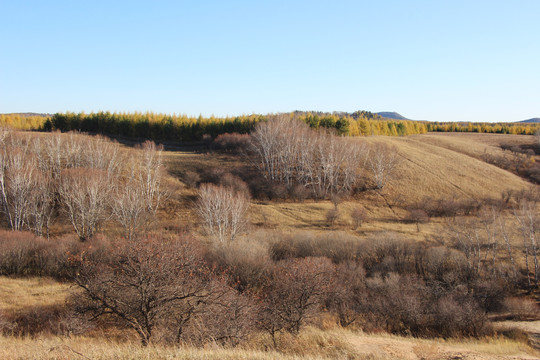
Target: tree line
{"type": "Point", "coordinates": [164, 127]}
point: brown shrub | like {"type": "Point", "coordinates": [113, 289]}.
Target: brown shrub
{"type": "Point", "coordinates": [191, 178]}
{"type": "Point", "coordinates": [331, 216]}
{"type": "Point", "coordinates": [454, 318]}
{"type": "Point", "coordinates": [294, 294]}
{"type": "Point", "coordinates": [417, 216]}
{"type": "Point", "coordinates": [227, 320]}
{"type": "Point", "coordinates": [246, 263]}
{"type": "Point", "coordinates": [23, 254]}
{"type": "Point", "coordinates": [231, 142]}
{"type": "Point", "coordinates": [521, 308]}
{"type": "Point", "coordinates": [347, 292]}
{"type": "Point", "coordinates": [358, 217]}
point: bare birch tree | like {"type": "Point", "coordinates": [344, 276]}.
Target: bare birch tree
{"type": "Point", "coordinates": [85, 195]}
{"type": "Point", "coordinates": [17, 170]}
{"type": "Point", "coordinates": [382, 163]}
{"type": "Point", "coordinates": [222, 211]}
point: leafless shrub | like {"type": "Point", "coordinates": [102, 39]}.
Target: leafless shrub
{"type": "Point", "coordinates": [294, 294]}
{"type": "Point", "coordinates": [526, 214]}
{"type": "Point", "coordinates": [231, 141]}
{"type": "Point", "coordinates": [522, 308]}
{"type": "Point", "coordinates": [347, 292]}
{"type": "Point", "coordinates": [358, 217]}
{"type": "Point", "coordinates": [228, 320]}
{"type": "Point", "coordinates": [38, 320]}
{"type": "Point", "coordinates": [146, 283]}
{"type": "Point", "coordinates": [445, 265]}
{"type": "Point", "coordinates": [191, 178]}
{"type": "Point", "coordinates": [234, 183]}
{"type": "Point", "coordinates": [453, 318]}
{"type": "Point", "coordinates": [222, 211]}
{"type": "Point", "coordinates": [337, 246]}
{"type": "Point", "coordinates": [246, 262]}
{"type": "Point", "coordinates": [331, 216]}
{"type": "Point", "coordinates": [417, 216]}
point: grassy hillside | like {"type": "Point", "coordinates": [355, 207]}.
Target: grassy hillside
{"type": "Point", "coordinates": [438, 166]}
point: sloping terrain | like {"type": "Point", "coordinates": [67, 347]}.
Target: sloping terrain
{"type": "Point", "coordinates": [435, 165]}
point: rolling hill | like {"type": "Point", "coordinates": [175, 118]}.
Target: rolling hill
{"type": "Point", "coordinates": [392, 115]}
{"type": "Point", "coordinates": [530, 121]}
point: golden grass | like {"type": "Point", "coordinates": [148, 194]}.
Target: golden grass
{"type": "Point", "coordinates": [20, 293]}
{"type": "Point", "coordinates": [310, 344]}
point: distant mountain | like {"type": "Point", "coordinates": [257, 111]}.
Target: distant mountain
{"type": "Point", "coordinates": [391, 115]}
{"type": "Point", "coordinates": [530, 121]}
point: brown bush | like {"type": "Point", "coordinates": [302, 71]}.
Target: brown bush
{"type": "Point", "coordinates": [231, 142]}
{"type": "Point", "coordinates": [453, 318]}
{"type": "Point", "coordinates": [191, 179]}
{"type": "Point", "coordinates": [358, 217]}
{"type": "Point", "coordinates": [235, 183]}
{"type": "Point", "coordinates": [246, 263]}
{"type": "Point", "coordinates": [521, 308]}
{"type": "Point", "coordinates": [146, 283]}
{"type": "Point", "coordinates": [294, 294]}
{"type": "Point", "coordinates": [347, 292]}
{"type": "Point", "coordinates": [332, 216]}
{"type": "Point", "coordinates": [337, 246]}
{"type": "Point", "coordinates": [24, 254]}
{"type": "Point", "coordinates": [417, 216]}
{"type": "Point", "coordinates": [227, 320]}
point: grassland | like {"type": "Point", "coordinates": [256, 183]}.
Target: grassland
{"type": "Point", "coordinates": [439, 166]}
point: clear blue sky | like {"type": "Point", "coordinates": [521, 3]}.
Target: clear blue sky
{"type": "Point", "coordinates": [435, 60]}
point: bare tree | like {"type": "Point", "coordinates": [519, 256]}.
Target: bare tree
{"type": "Point", "coordinates": [222, 211]}
{"type": "Point", "coordinates": [382, 163]}
{"type": "Point", "coordinates": [150, 174]}
{"type": "Point", "coordinates": [139, 194]}
{"type": "Point", "coordinates": [41, 210]}
{"type": "Point", "coordinates": [85, 195]}
{"type": "Point", "coordinates": [17, 171]}
{"type": "Point", "coordinates": [358, 217]}
{"type": "Point", "coordinates": [289, 152]}
{"type": "Point", "coordinates": [294, 294]}
{"type": "Point", "coordinates": [145, 284]}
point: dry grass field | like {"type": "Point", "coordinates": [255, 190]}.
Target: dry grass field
{"type": "Point", "coordinates": [439, 166]}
